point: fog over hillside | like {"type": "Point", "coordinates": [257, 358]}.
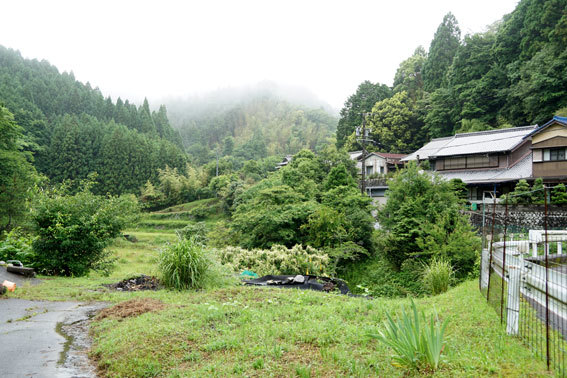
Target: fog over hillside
{"type": "Point", "coordinates": [205, 105]}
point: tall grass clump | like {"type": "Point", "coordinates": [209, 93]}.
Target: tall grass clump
{"type": "Point", "coordinates": [184, 265]}
{"type": "Point", "coordinates": [416, 340]}
{"type": "Point", "coordinates": [437, 275]}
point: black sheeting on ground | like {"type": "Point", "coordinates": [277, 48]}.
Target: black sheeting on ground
{"type": "Point", "coordinates": [302, 282]}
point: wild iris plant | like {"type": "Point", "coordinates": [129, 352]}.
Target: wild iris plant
{"type": "Point", "coordinates": [416, 340]}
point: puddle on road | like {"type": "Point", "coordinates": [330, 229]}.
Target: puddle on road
{"type": "Point", "coordinates": [74, 356]}
{"type": "Point", "coordinates": [66, 346]}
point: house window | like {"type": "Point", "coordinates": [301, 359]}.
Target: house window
{"type": "Point", "coordinates": [473, 161]}
{"type": "Point", "coordinates": [382, 169]}
{"type": "Point", "coordinates": [369, 170]}
{"type": "Point", "coordinates": [455, 163]}
{"type": "Point", "coordinates": [479, 161]}
{"type": "Point", "coordinates": [554, 154]}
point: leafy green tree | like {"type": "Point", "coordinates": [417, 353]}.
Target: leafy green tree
{"type": "Point", "coordinates": [74, 230]}
{"type": "Point", "coordinates": [441, 52]}
{"type": "Point", "coordinates": [442, 114]}
{"type": "Point", "coordinates": [408, 77]}
{"type": "Point", "coordinates": [367, 94]}
{"type": "Point", "coordinates": [395, 125]}
{"type": "Point", "coordinates": [460, 188]}
{"type": "Point", "coordinates": [339, 176]}
{"type": "Point", "coordinates": [17, 175]}
{"type": "Point", "coordinates": [421, 214]}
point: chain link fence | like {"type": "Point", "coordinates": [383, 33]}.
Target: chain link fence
{"type": "Point", "coordinates": [524, 270]}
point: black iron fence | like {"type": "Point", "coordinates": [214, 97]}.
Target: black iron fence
{"type": "Point", "coordinates": [524, 271]}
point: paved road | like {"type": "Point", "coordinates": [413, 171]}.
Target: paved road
{"type": "Point", "coordinates": [32, 343]}
{"type": "Point", "coordinates": [18, 279]}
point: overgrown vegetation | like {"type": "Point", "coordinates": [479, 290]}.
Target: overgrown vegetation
{"type": "Point", "coordinates": [73, 230]}
{"type": "Point", "coordinates": [422, 220]}
{"type": "Point", "coordinates": [277, 260]}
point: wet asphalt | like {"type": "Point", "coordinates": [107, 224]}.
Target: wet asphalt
{"type": "Point", "coordinates": [43, 339]}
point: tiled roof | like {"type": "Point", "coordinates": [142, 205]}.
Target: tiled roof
{"type": "Point", "coordinates": [473, 143]}
{"type": "Point", "coordinates": [429, 149]}
{"type": "Point", "coordinates": [520, 170]}
{"type": "Point", "coordinates": [357, 155]}
{"type": "Point", "coordinates": [390, 156]}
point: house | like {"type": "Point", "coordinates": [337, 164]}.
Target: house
{"type": "Point", "coordinates": [286, 160]}
{"type": "Point", "coordinates": [377, 165]}
{"type": "Point", "coordinates": [485, 160]}
{"type": "Point", "coordinates": [549, 150]}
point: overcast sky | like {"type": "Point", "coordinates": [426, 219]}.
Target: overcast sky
{"type": "Point", "coordinates": [159, 48]}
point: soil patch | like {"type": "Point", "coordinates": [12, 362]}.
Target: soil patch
{"type": "Point", "coordinates": [131, 308]}
{"type": "Point", "coordinates": [138, 283]}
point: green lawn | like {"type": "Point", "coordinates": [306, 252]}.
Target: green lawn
{"type": "Point", "coordinates": [247, 331]}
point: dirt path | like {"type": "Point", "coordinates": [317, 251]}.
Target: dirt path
{"type": "Point", "coordinates": [45, 339]}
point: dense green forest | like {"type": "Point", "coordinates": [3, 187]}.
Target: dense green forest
{"type": "Point", "coordinates": [513, 74]}
{"type": "Point", "coordinates": [72, 130]}
{"type": "Point", "coordinates": [250, 125]}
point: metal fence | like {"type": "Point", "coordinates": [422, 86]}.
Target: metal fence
{"type": "Point", "coordinates": [524, 271]}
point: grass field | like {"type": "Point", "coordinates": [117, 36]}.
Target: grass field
{"type": "Point", "coordinates": [246, 331]}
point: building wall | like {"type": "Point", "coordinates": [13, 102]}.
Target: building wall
{"type": "Point", "coordinates": [375, 162]}
{"type": "Point", "coordinates": [550, 132]}
{"type": "Point", "coordinates": [553, 136]}
{"type": "Point", "coordinates": [550, 169]}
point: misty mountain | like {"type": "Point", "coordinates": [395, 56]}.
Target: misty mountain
{"type": "Point", "coordinates": [251, 122]}
{"type": "Point", "coordinates": [192, 107]}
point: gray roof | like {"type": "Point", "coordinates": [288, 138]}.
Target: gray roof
{"type": "Point", "coordinates": [473, 143]}
{"type": "Point", "coordinates": [521, 170]}
{"type": "Point", "coordinates": [429, 149]}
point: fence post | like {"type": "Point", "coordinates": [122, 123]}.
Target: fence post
{"type": "Point", "coordinates": [504, 263]}
{"type": "Point", "coordinates": [513, 308]}
{"type": "Point", "coordinates": [546, 247]}
{"type": "Point", "coordinates": [484, 267]}
{"type": "Point", "coordinates": [491, 244]}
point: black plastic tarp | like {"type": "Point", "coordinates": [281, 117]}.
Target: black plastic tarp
{"type": "Point", "coordinates": [302, 282]}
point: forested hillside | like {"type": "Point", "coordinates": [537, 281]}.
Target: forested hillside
{"type": "Point", "coordinates": [513, 74]}
{"type": "Point", "coordinates": [73, 130]}
{"type": "Point", "coordinates": [250, 124]}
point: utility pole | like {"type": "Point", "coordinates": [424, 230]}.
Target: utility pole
{"type": "Point", "coordinates": [363, 134]}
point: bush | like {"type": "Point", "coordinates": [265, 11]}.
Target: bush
{"type": "Point", "coordinates": [197, 231]}
{"type": "Point", "coordinates": [417, 341]}
{"type": "Point", "coordinates": [74, 230]}
{"type": "Point", "coordinates": [277, 260]}
{"type": "Point", "coordinates": [17, 246]}
{"type": "Point", "coordinates": [382, 279]}
{"type": "Point", "coordinates": [437, 276]}
{"type": "Point", "coordinates": [184, 265]}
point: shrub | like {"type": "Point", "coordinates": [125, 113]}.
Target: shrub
{"type": "Point", "coordinates": [17, 246]}
{"type": "Point", "coordinates": [197, 231]}
{"type": "Point", "coordinates": [437, 275]}
{"type": "Point", "coordinates": [416, 340]}
{"type": "Point", "coordinates": [381, 279]}
{"type": "Point", "coordinates": [74, 230]}
{"type": "Point", "coordinates": [277, 260]}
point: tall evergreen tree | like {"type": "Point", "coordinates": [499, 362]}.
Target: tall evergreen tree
{"type": "Point", "coordinates": [441, 52]}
